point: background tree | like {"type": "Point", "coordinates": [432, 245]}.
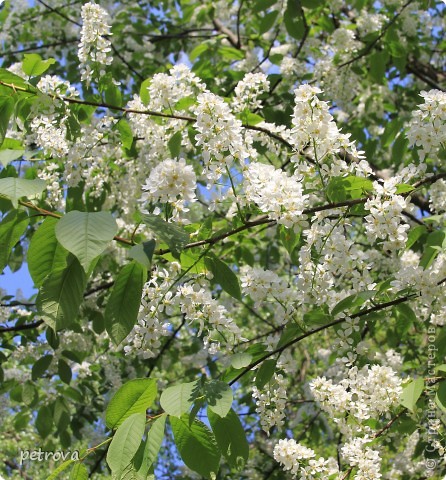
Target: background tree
{"type": "Point", "coordinates": [234, 215]}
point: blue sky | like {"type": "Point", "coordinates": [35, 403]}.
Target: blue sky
{"type": "Point", "coordinates": [19, 280]}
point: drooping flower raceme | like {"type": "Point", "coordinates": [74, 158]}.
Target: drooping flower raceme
{"type": "Point", "coordinates": [219, 135]}
{"type": "Point", "coordinates": [248, 90]}
{"type": "Point", "coordinates": [301, 461]}
{"type": "Point", "coordinates": [276, 193]}
{"type": "Point", "coordinates": [364, 393]}
{"type": "Point", "coordinates": [427, 128]}
{"type": "Point", "coordinates": [171, 181]}
{"type": "Point", "coordinates": [94, 47]}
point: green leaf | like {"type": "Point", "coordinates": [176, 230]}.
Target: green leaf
{"type": "Point", "coordinates": [6, 109]}
{"type": "Point", "coordinates": [230, 53]}
{"type": "Point", "coordinates": [414, 234]}
{"type": "Point", "coordinates": [377, 65]}
{"type": "Point", "coordinates": [33, 65]}
{"type": "Point", "coordinates": [261, 5]}
{"type": "Point", "coordinates": [219, 397]}
{"type": "Point", "coordinates": [121, 312]}
{"type": "Point", "coordinates": [293, 19]}
{"type": "Point", "coordinates": [154, 441]}
{"type": "Point", "coordinates": [8, 155]}
{"type": "Point", "coordinates": [268, 21]}
{"type": "Point", "coordinates": [126, 133]}
{"type": "Point", "coordinates": [17, 188]}
{"type": "Point", "coordinates": [341, 189]}
{"type": "Point", "coordinates": [230, 437]}
{"type": "Point", "coordinates": [265, 372]}
{"type": "Point", "coordinates": [44, 421]}
{"type": "Point", "coordinates": [55, 474]}
{"type": "Point", "coordinates": [411, 394]}
{"type": "Point", "coordinates": [440, 396]}
{"type": "Point", "coordinates": [178, 399]}
{"type": "Point", "coordinates": [11, 78]}
{"type": "Point", "coordinates": [12, 227]}
{"type": "Point", "coordinates": [354, 300]}
{"type": "Point", "coordinates": [224, 276]}
{"type": "Point", "coordinates": [197, 446]}
{"type": "Point", "coordinates": [435, 242]}
{"type": "Point", "coordinates": [174, 144]}
{"type": "Point", "coordinates": [143, 253]}
{"type": "Point", "coordinates": [61, 294]}
{"type": "Point", "coordinates": [40, 367]}
{"type": "Point", "coordinates": [86, 234]}
{"type": "Point", "coordinates": [441, 368]}
{"type": "Point", "coordinates": [240, 360]}
{"type": "Point", "coordinates": [251, 119]}
{"type": "Point", "coordinates": [45, 253]}
{"type": "Point", "coordinates": [64, 371]}
{"type": "Point", "coordinates": [289, 238]}
{"type": "Point", "coordinates": [135, 396]}
{"type": "Point", "coordinates": [144, 91]}
{"type": "Point", "coordinates": [175, 237]}
{"type": "Point", "coordinates": [79, 472]}
{"type": "Point", "coordinates": [125, 443]}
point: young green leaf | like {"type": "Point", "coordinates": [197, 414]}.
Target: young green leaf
{"type": "Point", "coordinates": [33, 65]}
{"type": "Point", "coordinates": [178, 399]}
{"type": "Point", "coordinates": [411, 394]}
{"type": "Point", "coordinates": [135, 396]}
{"type": "Point", "coordinates": [155, 437]}
{"type": "Point", "coordinates": [125, 443]}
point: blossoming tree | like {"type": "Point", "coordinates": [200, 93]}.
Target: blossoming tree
{"type": "Point", "coordinates": [234, 216]}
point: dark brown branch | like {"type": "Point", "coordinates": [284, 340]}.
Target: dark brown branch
{"type": "Point", "coordinates": [232, 38]}
{"type": "Point", "coordinates": [39, 47]}
{"type": "Point", "coordinates": [19, 328]}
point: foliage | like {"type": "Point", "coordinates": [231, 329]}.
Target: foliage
{"type": "Point", "coordinates": [234, 217]}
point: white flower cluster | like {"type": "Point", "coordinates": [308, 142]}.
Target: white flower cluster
{"type": "Point", "coordinates": [54, 85]}
{"type": "Point", "coordinates": [145, 338]}
{"type": "Point", "coordinates": [51, 135]}
{"type": "Point", "coordinates": [248, 90]}
{"type": "Point", "coordinates": [271, 402]}
{"type": "Point", "coordinates": [300, 461]}
{"type": "Point", "coordinates": [427, 128]}
{"type": "Point", "coordinates": [343, 41]}
{"type": "Point", "coordinates": [166, 90]}
{"type": "Point", "coordinates": [171, 181]}
{"type": "Point", "coordinates": [275, 193]}
{"type": "Point", "coordinates": [366, 460]}
{"type": "Point", "coordinates": [365, 393]}
{"type": "Point", "coordinates": [94, 48]}
{"type": "Point", "coordinates": [437, 196]}
{"type": "Point", "coordinates": [423, 280]}
{"type": "Point", "coordinates": [197, 304]}
{"type": "Point", "coordinates": [263, 286]}
{"type": "Point", "coordinates": [384, 221]}
{"type": "Point", "coordinates": [313, 126]}
{"type": "Point", "coordinates": [219, 135]}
